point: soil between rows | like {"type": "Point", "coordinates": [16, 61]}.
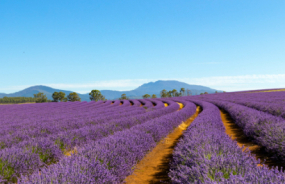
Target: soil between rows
{"type": "Point", "coordinates": [236, 133]}
{"type": "Point", "coordinates": [154, 167]}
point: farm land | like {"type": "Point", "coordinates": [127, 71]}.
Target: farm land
{"type": "Point", "coordinates": [229, 138]}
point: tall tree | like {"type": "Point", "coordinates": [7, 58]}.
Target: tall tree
{"type": "Point", "coordinates": [182, 91]}
{"type": "Point", "coordinates": [55, 97]}
{"type": "Point", "coordinates": [169, 94]}
{"type": "Point", "coordinates": [123, 97]}
{"type": "Point", "coordinates": [176, 94]}
{"type": "Point", "coordinates": [95, 95]}
{"type": "Point", "coordinates": [174, 91]}
{"type": "Point", "coordinates": [146, 96]}
{"type": "Point", "coordinates": [40, 97]}
{"type": "Point", "coordinates": [153, 96]}
{"type": "Point", "coordinates": [72, 97]}
{"type": "Point", "coordinates": [61, 96]}
{"type": "Point", "coordinates": [163, 94]}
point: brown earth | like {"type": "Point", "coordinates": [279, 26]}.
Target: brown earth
{"type": "Point", "coordinates": [154, 167]}
{"type": "Point", "coordinates": [180, 105]}
{"type": "Point", "coordinates": [236, 133]}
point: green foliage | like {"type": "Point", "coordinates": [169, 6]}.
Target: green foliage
{"type": "Point", "coordinates": [59, 96]}
{"type": "Point", "coordinates": [7, 171]}
{"type": "Point", "coordinates": [72, 97]}
{"type": "Point", "coordinates": [182, 91]}
{"type": "Point", "coordinates": [44, 155]}
{"type": "Point", "coordinates": [163, 94]}
{"type": "Point", "coordinates": [95, 95]}
{"type": "Point", "coordinates": [55, 97]}
{"type": "Point", "coordinates": [124, 97]}
{"type": "Point", "coordinates": [15, 100]}
{"type": "Point", "coordinates": [172, 93]}
{"type": "Point", "coordinates": [153, 96]}
{"type": "Point", "coordinates": [146, 96]}
{"type": "Point", "coordinates": [40, 97]}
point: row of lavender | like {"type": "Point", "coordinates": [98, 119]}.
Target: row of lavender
{"type": "Point", "coordinates": [265, 129]}
{"type": "Point", "coordinates": [31, 154]}
{"type": "Point", "coordinates": [269, 102]}
{"type": "Point", "coordinates": [111, 159]}
{"type": "Point", "coordinates": [25, 151]}
{"type": "Point", "coordinates": [207, 155]}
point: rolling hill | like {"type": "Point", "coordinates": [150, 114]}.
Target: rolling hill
{"type": "Point", "coordinates": [148, 88]}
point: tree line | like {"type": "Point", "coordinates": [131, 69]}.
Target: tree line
{"type": "Point", "coordinates": [94, 95]}
{"type": "Point", "coordinates": [172, 93]}
{"type": "Point", "coordinates": [14, 100]}
{"type": "Point", "coordinates": [57, 97]}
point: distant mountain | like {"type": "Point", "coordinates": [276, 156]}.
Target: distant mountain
{"type": "Point", "coordinates": [48, 91]}
{"type": "Point", "coordinates": [148, 88]}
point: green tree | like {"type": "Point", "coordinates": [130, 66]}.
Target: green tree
{"type": "Point", "coordinates": [146, 96]}
{"type": "Point", "coordinates": [182, 91]}
{"type": "Point", "coordinates": [173, 93]}
{"type": "Point", "coordinates": [95, 95]}
{"type": "Point", "coordinates": [206, 93]}
{"type": "Point", "coordinates": [61, 96]}
{"type": "Point", "coordinates": [40, 97]}
{"type": "Point", "coordinates": [163, 94]}
{"type": "Point", "coordinates": [176, 94]}
{"type": "Point", "coordinates": [153, 96]}
{"type": "Point", "coordinates": [169, 94]}
{"type": "Point", "coordinates": [55, 97]}
{"type": "Point", "coordinates": [123, 97]}
{"type": "Point", "coordinates": [58, 96]}
{"type": "Point", "coordinates": [72, 97]}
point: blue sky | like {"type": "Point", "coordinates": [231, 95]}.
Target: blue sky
{"type": "Point", "coordinates": [83, 45]}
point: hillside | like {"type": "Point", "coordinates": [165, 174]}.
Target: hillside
{"type": "Point", "coordinates": [148, 88]}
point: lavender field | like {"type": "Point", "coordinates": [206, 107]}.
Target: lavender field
{"type": "Point", "coordinates": [102, 142]}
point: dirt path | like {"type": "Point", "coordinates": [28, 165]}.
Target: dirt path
{"type": "Point", "coordinates": [180, 106]}
{"type": "Point", "coordinates": [235, 132]}
{"type": "Point", "coordinates": [154, 167]}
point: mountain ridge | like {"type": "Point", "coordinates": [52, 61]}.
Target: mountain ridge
{"type": "Point", "coordinates": [147, 88]}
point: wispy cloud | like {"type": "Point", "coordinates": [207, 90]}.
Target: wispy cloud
{"type": "Point", "coordinates": [110, 84]}
{"type": "Point", "coordinates": [242, 82]}
{"type": "Point", "coordinates": [227, 83]}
